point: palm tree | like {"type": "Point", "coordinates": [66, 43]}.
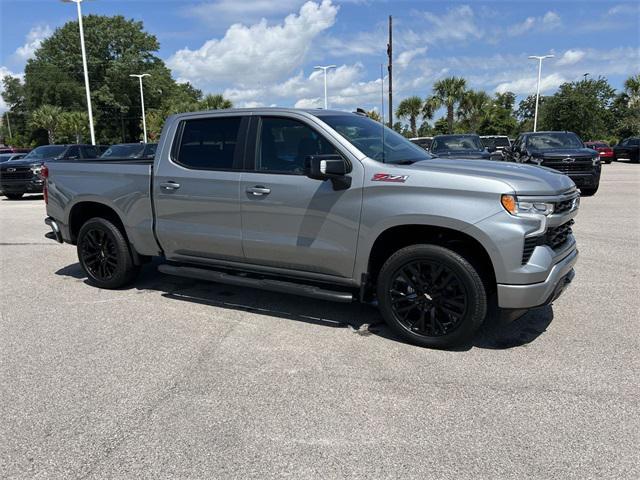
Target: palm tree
{"type": "Point", "coordinates": [632, 89]}
{"type": "Point", "coordinates": [474, 107]}
{"type": "Point", "coordinates": [74, 124]}
{"type": "Point", "coordinates": [214, 102]}
{"type": "Point", "coordinates": [410, 108]}
{"type": "Point", "coordinates": [374, 115]}
{"type": "Point", "coordinates": [48, 118]}
{"type": "Point", "coordinates": [447, 92]}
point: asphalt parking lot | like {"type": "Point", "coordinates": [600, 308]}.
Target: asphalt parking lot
{"type": "Point", "coordinates": [187, 379]}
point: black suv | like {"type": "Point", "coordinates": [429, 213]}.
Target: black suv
{"type": "Point", "coordinates": [562, 151]}
{"type": "Point", "coordinates": [18, 177]}
{"type": "Point", "coordinates": [628, 148]}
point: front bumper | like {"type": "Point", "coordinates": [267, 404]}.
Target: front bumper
{"type": "Point", "coordinates": [542, 293]}
{"type": "Point", "coordinates": [588, 180]}
{"type": "Point", "coordinates": [22, 186]}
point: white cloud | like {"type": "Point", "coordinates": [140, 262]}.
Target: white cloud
{"type": "Point", "coordinates": [33, 40]}
{"type": "Point", "coordinates": [405, 58]}
{"type": "Point", "coordinates": [251, 55]}
{"type": "Point", "coordinates": [240, 10]}
{"type": "Point", "coordinates": [458, 23]}
{"type": "Point", "coordinates": [527, 85]}
{"type": "Point", "coordinates": [548, 21]}
{"type": "Point", "coordinates": [571, 56]}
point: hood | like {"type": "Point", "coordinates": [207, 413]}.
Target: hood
{"type": "Point", "coordinates": [523, 179]}
{"type": "Point", "coordinates": [464, 154]}
{"type": "Point", "coordinates": [564, 152]}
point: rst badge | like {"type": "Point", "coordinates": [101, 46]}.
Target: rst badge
{"type": "Point", "coordinates": [387, 177]}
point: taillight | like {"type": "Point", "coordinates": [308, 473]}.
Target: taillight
{"type": "Point", "coordinates": [44, 173]}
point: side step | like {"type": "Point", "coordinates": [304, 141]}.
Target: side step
{"type": "Point", "coordinates": [261, 283]}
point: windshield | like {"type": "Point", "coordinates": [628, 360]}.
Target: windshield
{"type": "Point", "coordinates": [553, 141]}
{"type": "Point", "coordinates": [124, 151]}
{"type": "Point", "coordinates": [46, 151]}
{"type": "Point", "coordinates": [458, 143]}
{"type": "Point", "coordinates": [366, 135]}
{"type": "Point", "coordinates": [495, 142]}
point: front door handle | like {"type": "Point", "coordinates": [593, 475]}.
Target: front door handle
{"type": "Point", "coordinates": [259, 190]}
{"type": "Point", "coordinates": [170, 185]}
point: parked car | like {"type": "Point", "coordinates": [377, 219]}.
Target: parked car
{"type": "Point", "coordinates": [562, 151]}
{"type": "Point", "coordinates": [628, 148]}
{"type": "Point", "coordinates": [130, 150]}
{"type": "Point", "coordinates": [459, 146]}
{"type": "Point", "coordinates": [603, 149]}
{"type": "Point", "coordinates": [18, 177]}
{"type": "Point", "coordinates": [319, 204]}
{"type": "Point", "coordinates": [424, 142]}
{"type": "Point", "coordinates": [496, 145]}
{"type": "Point", "coordinates": [7, 157]}
{"type": "Point", "coordinates": [14, 150]}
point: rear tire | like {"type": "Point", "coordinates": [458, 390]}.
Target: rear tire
{"type": "Point", "coordinates": [431, 296]}
{"type": "Point", "coordinates": [14, 196]}
{"type": "Point", "coordinates": [104, 254]}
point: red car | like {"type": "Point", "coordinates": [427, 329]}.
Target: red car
{"type": "Point", "coordinates": [603, 148]}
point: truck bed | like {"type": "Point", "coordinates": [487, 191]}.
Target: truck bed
{"type": "Point", "coordinates": [122, 184]}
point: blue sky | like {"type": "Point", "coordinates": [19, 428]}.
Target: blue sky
{"type": "Point", "coordinates": [262, 52]}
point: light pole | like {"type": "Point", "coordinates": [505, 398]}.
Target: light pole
{"type": "Point", "coordinates": [540, 58]}
{"type": "Point", "coordinates": [86, 73]}
{"type": "Point", "coordinates": [324, 69]}
{"type": "Point", "coordinates": [144, 120]}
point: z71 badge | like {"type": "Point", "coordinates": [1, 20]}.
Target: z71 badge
{"type": "Point", "coordinates": [387, 177]}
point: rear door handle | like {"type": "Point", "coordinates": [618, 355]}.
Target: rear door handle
{"type": "Point", "coordinates": [259, 190]}
{"type": "Point", "coordinates": [170, 185]}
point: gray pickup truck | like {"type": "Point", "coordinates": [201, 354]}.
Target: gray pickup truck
{"type": "Point", "coordinates": [324, 204]}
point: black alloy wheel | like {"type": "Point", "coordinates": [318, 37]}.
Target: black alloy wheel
{"type": "Point", "coordinates": [431, 296]}
{"type": "Point", "coordinates": [428, 298]}
{"type": "Point", "coordinates": [99, 254]}
{"type": "Point", "coordinates": [105, 255]}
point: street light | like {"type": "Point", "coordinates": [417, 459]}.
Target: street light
{"type": "Point", "coordinates": [324, 69]}
{"type": "Point", "coordinates": [144, 121]}
{"type": "Point", "coordinates": [540, 58]}
{"type": "Point", "coordinates": [86, 73]}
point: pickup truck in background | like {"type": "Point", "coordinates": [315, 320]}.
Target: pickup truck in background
{"type": "Point", "coordinates": [18, 177]}
{"type": "Point", "coordinates": [322, 204]}
{"type": "Point", "coordinates": [561, 151]}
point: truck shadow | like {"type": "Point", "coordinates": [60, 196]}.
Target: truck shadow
{"type": "Point", "coordinates": [360, 319]}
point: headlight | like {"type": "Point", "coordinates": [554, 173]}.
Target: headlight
{"type": "Point", "coordinates": [516, 207]}
{"type": "Point", "coordinates": [596, 161]}
{"type": "Point", "coordinates": [537, 161]}
{"type": "Point", "coordinates": [36, 170]}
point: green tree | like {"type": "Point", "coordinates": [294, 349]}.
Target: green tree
{"type": "Point", "coordinates": [410, 108]}
{"type": "Point", "coordinates": [214, 102]}
{"type": "Point", "coordinates": [374, 115]}
{"type": "Point", "coordinates": [74, 126]}
{"type": "Point", "coordinates": [116, 47]}
{"type": "Point", "coordinates": [16, 116]}
{"type": "Point", "coordinates": [582, 107]}
{"type": "Point", "coordinates": [47, 117]}
{"type": "Point", "coordinates": [500, 118]}
{"type": "Point", "coordinates": [526, 112]}
{"type": "Point", "coordinates": [632, 90]}
{"type": "Point", "coordinates": [474, 109]}
{"type": "Point", "coordinates": [447, 93]}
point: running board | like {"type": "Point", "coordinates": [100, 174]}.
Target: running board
{"type": "Point", "coordinates": [261, 283]}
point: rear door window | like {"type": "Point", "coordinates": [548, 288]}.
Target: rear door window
{"type": "Point", "coordinates": [210, 143]}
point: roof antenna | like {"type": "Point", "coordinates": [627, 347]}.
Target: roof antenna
{"type": "Point", "coordinates": [382, 109]}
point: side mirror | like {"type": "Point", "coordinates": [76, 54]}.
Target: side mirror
{"type": "Point", "coordinates": [328, 167]}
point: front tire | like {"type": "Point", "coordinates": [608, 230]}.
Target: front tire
{"type": "Point", "coordinates": [104, 254]}
{"type": "Point", "coordinates": [14, 196]}
{"type": "Point", "coordinates": [431, 296]}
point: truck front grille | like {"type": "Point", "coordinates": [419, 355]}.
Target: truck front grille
{"type": "Point", "coordinates": [19, 173]}
{"type": "Point", "coordinates": [577, 167]}
{"type": "Point", "coordinates": [555, 238]}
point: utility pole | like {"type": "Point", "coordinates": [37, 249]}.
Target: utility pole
{"type": "Point", "coordinates": [325, 68]}
{"type": "Point", "coordinates": [144, 120]}
{"type": "Point", "coordinates": [540, 58]}
{"type": "Point", "coordinates": [390, 68]}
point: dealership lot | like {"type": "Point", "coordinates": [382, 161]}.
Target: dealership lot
{"type": "Point", "coordinates": [181, 378]}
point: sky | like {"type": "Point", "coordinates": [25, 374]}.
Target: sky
{"type": "Point", "coordinates": [262, 52]}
